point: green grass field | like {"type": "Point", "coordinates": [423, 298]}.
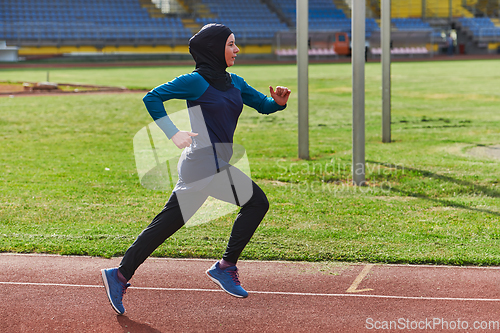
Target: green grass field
{"type": "Point", "coordinates": [68, 182]}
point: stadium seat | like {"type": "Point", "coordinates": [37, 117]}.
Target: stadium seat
{"type": "Point", "coordinates": [480, 27]}
{"type": "Point", "coordinates": [116, 18]}
{"type": "Point", "coordinates": [411, 24]}
{"type": "Point", "coordinates": [126, 21]}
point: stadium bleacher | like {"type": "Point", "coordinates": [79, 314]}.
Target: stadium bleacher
{"type": "Point", "coordinates": [250, 19]}
{"type": "Point", "coordinates": [324, 15]}
{"type": "Point", "coordinates": [439, 8]}
{"type": "Point", "coordinates": [410, 24]}
{"type": "Point", "coordinates": [415, 24]}
{"type": "Point", "coordinates": [406, 9]}
{"type": "Point", "coordinates": [318, 10]}
{"type": "Point", "coordinates": [482, 28]}
{"type": "Point", "coordinates": [117, 24]}
{"type": "Point", "coordinates": [63, 22]}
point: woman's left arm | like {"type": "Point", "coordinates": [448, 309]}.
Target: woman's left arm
{"type": "Point", "coordinates": [258, 100]}
{"type": "Point", "coordinates": [281, 94]}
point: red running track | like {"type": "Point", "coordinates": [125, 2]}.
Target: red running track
{"type": "Point", "coordinates": [48, 293]}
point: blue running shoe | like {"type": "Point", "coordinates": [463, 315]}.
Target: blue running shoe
{"type": "Point", "coordinates": [115, 289]}
{"type": "Point", "coordinates": [227, 279]}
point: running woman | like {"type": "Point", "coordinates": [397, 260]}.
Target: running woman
{"type": "Point", "coordinates": [215, 101]}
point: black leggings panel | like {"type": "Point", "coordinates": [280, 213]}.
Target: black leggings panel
{"type": "Point", "coordinates": [171, 219]}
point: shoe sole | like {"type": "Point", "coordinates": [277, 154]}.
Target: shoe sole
{"type": "Point", "coordinates": [106, 286]}
{"type": "Point", "coordinates": [222, 287]}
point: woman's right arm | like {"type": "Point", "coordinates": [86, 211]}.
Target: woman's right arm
{"type": "Point", "coordinates": [188, 87]}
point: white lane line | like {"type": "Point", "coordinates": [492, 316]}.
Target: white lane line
{"type": "Point", "coordinates": [51, 284]}
{"type": "Point", "coordinates": [285, 293]}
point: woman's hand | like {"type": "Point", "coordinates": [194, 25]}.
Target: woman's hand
{"type": "Point", "coordinates": [281, 94]}
{"type": "Point", "coordinates": [182, 139]}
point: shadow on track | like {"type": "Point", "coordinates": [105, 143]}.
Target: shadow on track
{"type": "Point", "coordinates": [129, 325]}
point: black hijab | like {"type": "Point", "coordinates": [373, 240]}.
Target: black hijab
{"type": "Point", "coordinates": [208, 49]}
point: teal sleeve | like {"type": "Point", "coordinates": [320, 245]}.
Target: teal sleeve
{"type": "Point", "coordinates": [254, 98]}
{"type": "Point", "coordinates": [189, 87]}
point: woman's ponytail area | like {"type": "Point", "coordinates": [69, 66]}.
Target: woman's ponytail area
{"type": "Point", "coordinates": [281, 94]}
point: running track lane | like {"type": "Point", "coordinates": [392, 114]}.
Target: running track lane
{"type": "Point", "coordinates": [47, 293]}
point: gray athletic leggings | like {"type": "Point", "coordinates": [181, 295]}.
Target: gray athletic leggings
{"type": "Point", "coordinates": [180, 207]}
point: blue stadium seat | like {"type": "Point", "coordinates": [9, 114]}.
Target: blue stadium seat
{"type": "Point", "coordinates": [410, 24]}
{"type": "Point", "coordinates": [97, 18]}
{"type": "Point", "coordinates": [323, 15]}
{"type": "Point", "coordinates": [249, 20]}
{"type": "Point", "coordinates": [480, 27]}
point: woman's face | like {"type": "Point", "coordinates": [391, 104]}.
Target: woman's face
{"type": "Point", "coordinates": [231, 50]}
